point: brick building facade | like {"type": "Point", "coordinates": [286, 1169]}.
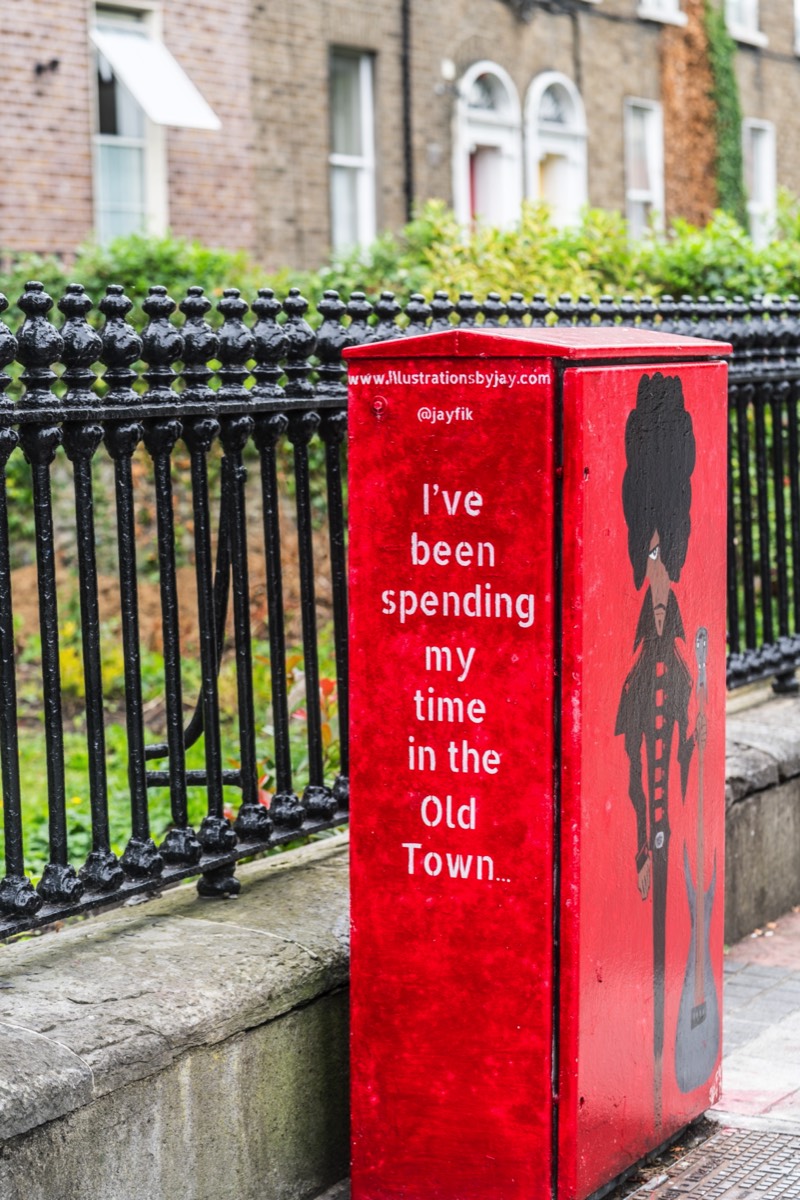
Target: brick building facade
{"type": "Point", "coordinates": [328, 117]}
{"type": "Point", "coordinates": [201, 181]}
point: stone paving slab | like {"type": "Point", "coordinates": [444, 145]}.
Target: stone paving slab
{"type": "Point", "coordinates": [778, 945]}
{"type": "Point", "coordinates": [761, 1068]}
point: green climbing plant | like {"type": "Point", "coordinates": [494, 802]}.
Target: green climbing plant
{"type": "Point", "coordinates": [730, 173]}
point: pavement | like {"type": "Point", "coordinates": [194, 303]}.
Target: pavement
{"type": "Point", "coordinates": [748, 1146]}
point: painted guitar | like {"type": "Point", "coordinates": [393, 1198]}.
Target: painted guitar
{"type": "Point", "coordinates": [697, 1038]}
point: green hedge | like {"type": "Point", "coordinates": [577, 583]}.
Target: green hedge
{"type": "Point", "coordinates": [594, 257]}
{"type": "Point", "coordinates": [434, 251]}
{"type": "Point", "coordinates": [137, 262]}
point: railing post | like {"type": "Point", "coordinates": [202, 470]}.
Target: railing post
{"type": "Point", "coordinates": [235, 348]}
{"type": "Point", "coordinates": [441, 309]}
{"type": "Point", "coordinates": [285, 808]}
{"type": "Point", "coordinates": [82, 438]}
{"type": "Point", "coordinates": [162, 344]}
{"type": "Point", "coordinates": [359, 310]}
{"type": "Point", "coordinates": [331, 341]}
{"type": "Point", "coordinates": [517, 310]}
{"type": "Point", "coordinates": [467, 308]}
{"type": "Point", "coordinates": [17, 893]}
{"type": "Point", "coordinates": [418, 312]}
{"type": "Point", "coordinates": [387, 310]}
{"type": "Point", "coordinates": [493, 310]}
{"type": "Point", "coordinates": [199, 433]}
{"type": "Point", "coordinates": [121, 348]}
{"type": "Point", "coordinates": [39, 346]}
{"type": "Point", "coordinates": [318, 798]}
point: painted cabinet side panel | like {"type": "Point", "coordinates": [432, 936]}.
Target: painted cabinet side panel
{"type": "Point", "coordinates": [643, 761]}
{"type": "Point", "coordinates": [451, 515]}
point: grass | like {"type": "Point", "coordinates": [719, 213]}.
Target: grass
{"type": "Point", "coordinates": [33, 755]}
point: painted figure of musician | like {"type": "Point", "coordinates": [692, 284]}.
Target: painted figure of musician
{"type": "Point", "coordinates": [653, 715]}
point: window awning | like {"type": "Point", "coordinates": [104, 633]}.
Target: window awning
{"type": "Point", "coordinates": [155, 80]}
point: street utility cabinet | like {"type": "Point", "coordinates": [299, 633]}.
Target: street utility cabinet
{"type": "Point", "coordinates": [537, 583]}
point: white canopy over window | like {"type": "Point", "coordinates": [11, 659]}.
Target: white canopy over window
{"type": "Point", "coordinates": [155, 80]}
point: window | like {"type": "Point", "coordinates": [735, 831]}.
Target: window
{"type": "Point", "coordinates": [487, 152]}
{"type": "Point", "coordinates": [742, 19]}
{"type": "Point", "coordinates": [121, 145]}
{"type": "Point", "coordinates": [352, 158]}
{"type": "Point", "coordinates": [644, 166]}
{"type": "Point", "coordinates": [555, 128]}
{"type": "Point", "coordinates": [797, 26]}
{"type": "Point", "coordinates": [759, 177]}
{"type": "Point", "coordinates": [140, 89]}
{"type": "Point", "coordinates": [667, 11]}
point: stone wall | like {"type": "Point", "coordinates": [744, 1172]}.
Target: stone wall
{"type": "Point", "coordinates": [762, 818]}
{"type": "Point", "coordinates": [199, 1049]}
{"type": "Point", "coordinates": [183, 1048]}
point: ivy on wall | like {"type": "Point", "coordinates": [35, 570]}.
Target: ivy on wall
{"type": "Point", "coordinates": [725, 94]}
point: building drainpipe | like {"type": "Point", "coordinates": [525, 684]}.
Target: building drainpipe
{"type": "Point", "coordinates": [405, 67]}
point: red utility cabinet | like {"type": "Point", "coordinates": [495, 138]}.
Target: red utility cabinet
{"type": "Point", "coordinates": [537, 586]}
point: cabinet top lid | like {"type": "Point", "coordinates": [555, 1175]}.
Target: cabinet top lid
{"type": "Point", "coordinates": [578, 343]}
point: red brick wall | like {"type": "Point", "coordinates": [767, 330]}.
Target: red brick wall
{"type": "Point", "coordinates": [261, 182]}
{"type": "Point", "coordinates": [46, 197]}
{"type": "Point", "coordinates": [46, 126]}
{"type": "Point", "coordinates": [211, 175]}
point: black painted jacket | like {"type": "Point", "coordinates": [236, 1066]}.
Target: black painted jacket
{"type": "Point", "coordinates": [653, 708]}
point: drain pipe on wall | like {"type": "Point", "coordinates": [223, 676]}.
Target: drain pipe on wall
{"type": "Point", "coordinates": [405, 68]}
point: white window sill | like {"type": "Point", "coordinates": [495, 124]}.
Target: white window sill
{"type": "Point", "coordinates": [648, 14]}
{"type": "Point", "coordinates": [748, 37]}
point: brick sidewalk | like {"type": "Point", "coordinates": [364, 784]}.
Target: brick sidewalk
{"type": "Point", "coordinates": [756, 1151]}
{"type": "Point", "coordinates": [761, 1069]}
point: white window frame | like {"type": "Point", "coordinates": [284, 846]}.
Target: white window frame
{"type": "Point", "coordinates": [159, 88]}
{"type": "Point", "coordinates": [748, 31]}
{"type": "Point", "coordinates": [501, 132]}
{"type": "Point", "coordinates": [156, 215]}
{"type": "Point", "coordinates": [761, 213]}
{"type": "Point", "coordinates": [653, 196]}
{"type": "Point", "coordinates": [569, 142]}
{"type": "Point", "coordinates": [666, 12]}
{"type": "Point", "coordinates": [797, 26]}
{"type": "Point", "coordinates": [363, 163]}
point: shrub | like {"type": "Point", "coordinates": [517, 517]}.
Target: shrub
{"type": "Point", "coordinates": [434, 251]}
{"type": "Point", "coordinates": [594, 257]}
{"type": "Point", "coordinates": [137, 262]}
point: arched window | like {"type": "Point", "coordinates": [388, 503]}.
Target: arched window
{"type": "Point", "coordinates": [555, 129]}
{"type": "Point", "coordinates": [487, 164]}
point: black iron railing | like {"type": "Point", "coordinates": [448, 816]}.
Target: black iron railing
{"type": "Point", "coordinates": [265, 394]}
{"type": "Point", "coordinates": [121, 408]}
